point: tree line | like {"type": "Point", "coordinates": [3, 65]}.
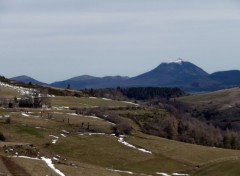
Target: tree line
{"type": "Point", "coordinates": [135, 93]}
{"type": "Point", "coordinates": [172, 120]}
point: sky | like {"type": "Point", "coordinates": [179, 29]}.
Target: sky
{"type": "Point", "coordinates": [53, 40]}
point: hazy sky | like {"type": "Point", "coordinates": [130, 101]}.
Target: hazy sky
{"type": "Point", "coordinates": [53, 40]}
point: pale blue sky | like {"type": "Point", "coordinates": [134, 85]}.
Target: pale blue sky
{"type": "Point", "coordinates": [53, 40]}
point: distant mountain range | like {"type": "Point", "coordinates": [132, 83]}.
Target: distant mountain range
{"type": "Point", "coordinates": [87, 81]}
{"type": "Point", "coordinates": [179, 73]}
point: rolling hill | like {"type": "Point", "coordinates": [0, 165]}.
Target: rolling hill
{"type": "Point", "coordinates": [227, 78]}
{"type": "Point", "coordinates": [86, 81]}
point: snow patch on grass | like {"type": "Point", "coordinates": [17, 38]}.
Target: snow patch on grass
{"type": "Point", "coordinates": [128, 102]}
{"type": "Point", "coordinates": [51, 165]}
{"type": "Point", "coordinates": [26, 115]}
{"type": "Point", "coordinates": [26, 157]}
{"type": "Point", "coordinates": [93, 117]}
{"type": "Point", "coordinates": [106, 99]}
{"type": "Point", "coordinates": [56, 137]}
{"type": "Point", "coordinates": [163, 174]}
{"type": "Point", "coordinates": [173, 174]}
{"type": "Point", "coordinates": [90, 134]}
{"type": "Point", "coordinates": [125, 143]}
{"type": "Point", "coordinates": [73, 114]}
{"type": "Point", "coordinates": [177, 174]}
{"type": "Point", "coordinates": [144, 150]}
{"type": "Point", "coordinates": [63, 135]}
{"type": "Point", "coordinates": [47, 161]}
{"type": "Point", "coordinates": [121, 140]}
{"type": "Point", "coordinates": [93, 97]}
{"type": "Point", "coordinates": [54, 141]}
{"type": "Point", "coordinates": [127, 172]}
{"type": "Point", "coordinates": [65, 131]}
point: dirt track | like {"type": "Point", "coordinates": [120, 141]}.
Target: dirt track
{"type": "Point", "coordinates": [13, 167]}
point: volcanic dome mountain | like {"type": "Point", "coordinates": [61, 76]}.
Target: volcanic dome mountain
{"type": "Point", "coordinates": [177, 73]}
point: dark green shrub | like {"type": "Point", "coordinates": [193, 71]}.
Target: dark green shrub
{"type": "Point", "coordinates": [2, 137]}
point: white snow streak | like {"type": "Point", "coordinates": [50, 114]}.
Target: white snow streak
{"type": "Point", "coordinates": [26, 115]}
{"type": "Point", "coordinates": [66, 132]}
{"type": "Point", "coordinates": [93, 117]}
{"type": "Point", "coordinates": [73, 114]}
{"type": "Point", "coordinates": [93, 97]}
{"type": "Point", "coordinates": [90, 134]}
{"type": "Point", "coordinates": [125, 143]}
{"type": "Point", "coordinates": [56, 159]}
{"type": "Point", "coordinates": [54, 136]}
{"type": "Point", "coordinates": [128, 102]}
{"type": "Point", "coordinates": [51, 165]}
{"type": "Point", "coordinates": [144, 150]}
{"type": "Point", "coordinates": [127, 172]}
{"type": "Point", "coordinates": [173, 174]}
{"type": "Point", "coordinates": [54, 141]}
{"type": "Point", "coordinates": [121, 140]}
{"type": "Point", "coordinates": [177, 174]}
{"type": "Point", "coordinates": [63, 135]}
{"type": "Point", "coordinates": [106, 99]}
{"type": "Point", "coordinates": [47, 161]}
{"type": "Point", "coordinates": [26, 157]}
{"type": "Point", "coordinates": [163, 174]}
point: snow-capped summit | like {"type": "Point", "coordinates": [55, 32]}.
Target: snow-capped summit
{"type": "Point", "coordinates": [178, 61]}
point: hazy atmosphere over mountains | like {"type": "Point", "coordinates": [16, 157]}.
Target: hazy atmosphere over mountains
{"type": "Point", "coordinates": [57, 39]}
{"type": "Point", "coordinates": [179, 73]}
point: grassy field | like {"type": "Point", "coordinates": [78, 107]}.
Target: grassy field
{"type": "Point", "coordinates": [8, 92]}
{"type": "Point", "coordinates": [230, 168]}
{"type": "Point", "coordinates": [85, 102]}
{"type": "Point", "coordinates": [104, 152]}
{"type": "Point", "coordinates": [221, 97]}
{"type": "Point", "coordinates": [188, 153]}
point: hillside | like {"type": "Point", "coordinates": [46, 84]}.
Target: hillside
{"type": "Point", "coordinates": [220, 99]}
{"type": "Point", "coordinates": [72, 137]}
{"type": "Point", "coordinates": [220, 108]}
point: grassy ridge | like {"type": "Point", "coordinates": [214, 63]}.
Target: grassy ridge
{"type": "Point", "coordinates": [230, 168]}
{"type": "Point", "coordinates": [228, 96]}
{"type": "Point", "coordinates": [85, 102]}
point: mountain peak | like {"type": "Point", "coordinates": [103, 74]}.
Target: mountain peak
{"type": "Point", "coordinates": [26, 79]}
{"type": "Point", "coordinates": [177, 73]}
